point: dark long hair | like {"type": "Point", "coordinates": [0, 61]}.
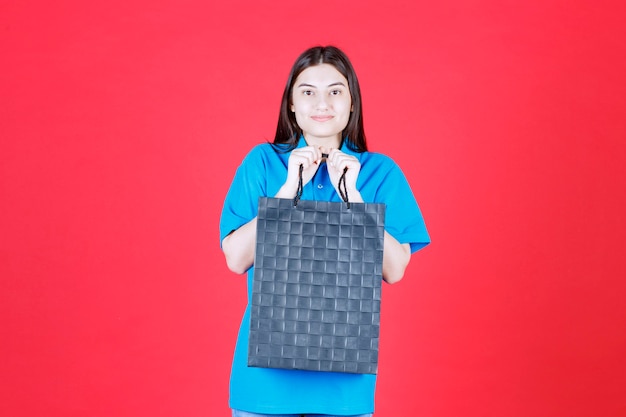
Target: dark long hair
{"type": "Point", "coordinates": [288, 132]}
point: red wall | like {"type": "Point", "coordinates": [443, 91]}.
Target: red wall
{"type": "Point", "coordinates": [121, 125]}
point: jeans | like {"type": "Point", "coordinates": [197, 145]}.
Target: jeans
{"type": "Point", "coordinates": [239, 413]}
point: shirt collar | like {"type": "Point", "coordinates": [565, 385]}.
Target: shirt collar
{"type": "Point", "coordinates": [344, 147]}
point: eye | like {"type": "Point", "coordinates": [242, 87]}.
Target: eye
{"type": "Point", "coordinates": [307, 92]}
{"type": "Point", "coordinates": [335, 92]}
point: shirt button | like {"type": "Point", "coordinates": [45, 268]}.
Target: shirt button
{"type": "Point", "coordinates": [320, 186]}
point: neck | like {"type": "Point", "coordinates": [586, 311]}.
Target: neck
{"type": "Point", "coordinates": [326, 142]}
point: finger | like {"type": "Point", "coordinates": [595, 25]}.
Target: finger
{"type": "Point", "coordinates": [320, 153]}
{"type": "Point", "coordinates": [325, 151]}
{"type": "Point", "coordinates": [313, 154]}
{"type": "Point", "coordinates": [304, 156]}
{"type": "Point", "coordinates": [342, 161]}
{"type": "Point", "coordinates": [333, 156]}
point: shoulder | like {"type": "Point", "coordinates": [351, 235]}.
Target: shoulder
{"type": "Point", "coordinates": [260, 151]}
{"type": "Point", "coordinates": [377, 158]}
{"type": "Point", "coordinates": [377, 161]}
{"type": "Point", "coordinates": [381, 178]}
{"type": "Point", "coordinates": [262, 154]}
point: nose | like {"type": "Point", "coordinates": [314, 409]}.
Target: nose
{"type": "Point", "coordinates": [322, 103]}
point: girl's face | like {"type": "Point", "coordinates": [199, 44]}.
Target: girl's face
{"type": "Point", "coordinates": [322, 104]}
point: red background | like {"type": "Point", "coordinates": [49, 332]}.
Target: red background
{"type": "Point", "coordinates": [122, 123]}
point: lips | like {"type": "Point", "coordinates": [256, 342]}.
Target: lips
{"type": "Point", "coordinates": [324, 118]}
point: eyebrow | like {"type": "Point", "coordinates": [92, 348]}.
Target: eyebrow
{"type": "Point", "coordinates": [329, 85]}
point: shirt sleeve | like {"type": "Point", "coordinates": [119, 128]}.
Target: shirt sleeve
{"type": "Point", "coordinates": [242, 199]}
{"type": "Point", "coordinates": [403, 217]}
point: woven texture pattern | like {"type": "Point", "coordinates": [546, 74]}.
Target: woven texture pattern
{"type": "Point", "coordinates": [317, 286]}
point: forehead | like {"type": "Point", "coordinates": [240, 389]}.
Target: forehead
{"type": "Point", "coordinates": [321, 75]}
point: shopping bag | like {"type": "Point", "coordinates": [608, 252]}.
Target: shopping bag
{"type": "Point", "coordinates": [317, 285]}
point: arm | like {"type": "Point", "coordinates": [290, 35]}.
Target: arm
{"type": "Point", "coordinates": [396, 255]}
{"type": "Point", "coordinates": [240, 245]}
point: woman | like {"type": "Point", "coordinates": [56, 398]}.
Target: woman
{"type": "Point", "coordinates": [321, 128]}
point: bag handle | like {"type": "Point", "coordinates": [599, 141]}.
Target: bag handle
{"type": "Point", "coordinates": [342, 192]}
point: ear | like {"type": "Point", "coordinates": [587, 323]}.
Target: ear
{"type": "Point", "coordinates": [293, 109]}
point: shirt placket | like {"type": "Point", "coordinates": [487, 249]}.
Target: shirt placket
{"type": "Point", "coordinates": [321, 188]}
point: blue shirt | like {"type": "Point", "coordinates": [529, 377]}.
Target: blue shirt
{"type": "Point", "coordinates": [279, 391]}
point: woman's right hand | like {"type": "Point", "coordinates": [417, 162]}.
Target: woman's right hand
{"type": "Point", "coordinates": [309, 157]}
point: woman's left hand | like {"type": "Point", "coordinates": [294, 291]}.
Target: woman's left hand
{"type": "Point", "coordinates": [337, 161]}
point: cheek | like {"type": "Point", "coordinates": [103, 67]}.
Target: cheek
{"type": "Point", "coordinates": [298, 106]}
{"type": "Point", "coordinates": [347, 107]}
{"type": "Point", "coordinates": [300, 118]}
